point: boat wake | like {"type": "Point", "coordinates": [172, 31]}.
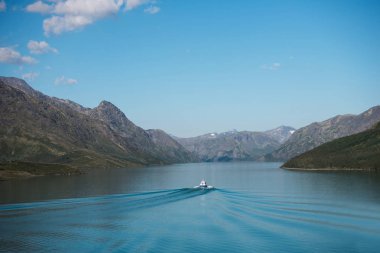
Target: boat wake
{"type": "Point", "coordinates": [166, 220]}
{"type": "Point", "coordinates": [134, 200]}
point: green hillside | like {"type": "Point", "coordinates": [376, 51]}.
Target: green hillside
{"type": "Point", "coordinates": [42, 135]}
{"type": "Point", "coordinates": [358, 151]}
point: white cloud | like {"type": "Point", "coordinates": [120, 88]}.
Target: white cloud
{"type": "Point", "coordinates": [70, 15]}
{"type": "Point", "coordinates": [11, 56]}
{"type": "Point", "coordinates": [152, 9]}
{"type": "Point", "coordinates": [63, 80]}
{"type": "Point", "coordinates": [3, 5]}
{"type": "Point", "coordinates": [41, 47]}
{"type": "Point", "coordinates": [273, 66]}
{"type": "Point", "coordinates": [40, 7]}
{"type": "Point", "coordinates": [131, 4]}
{"type": "Point", "coordinates": [89, 8]}
{"type": "Point", "coordinates": [30, 76]}
{"type": "Point", "coordinates": [57, 24]}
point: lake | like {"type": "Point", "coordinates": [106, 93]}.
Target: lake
{"type": "Point", "coordinates": [254, 207]}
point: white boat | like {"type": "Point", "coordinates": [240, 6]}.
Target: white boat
{"type": "Point", "coordinates": [203, 185]}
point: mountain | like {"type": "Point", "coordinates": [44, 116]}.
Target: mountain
{"type": "Point", "coordinates": [315, 134]}
{"type": "Point", "coordinates": [36, 128]}
{"type": "Point", "coordinates": [170, 147]}
{"type": "Point", "coordinates": [281, 134]}
{"type": "Point", "coordinates": [358, 151]}
{"type": "Point", "coordinates": [235, 145]}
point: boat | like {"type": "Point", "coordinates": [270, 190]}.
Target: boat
{"type": "Point", "coordinates": [203, 185]}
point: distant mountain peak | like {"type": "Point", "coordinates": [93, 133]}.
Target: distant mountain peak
{"type": "Point", "coordinates": [112, 115]}
{"type": "Point", "coordinates": [107, 105]}
{"type": "Point", "coordinates": [19, 84]}
{"type": "Point", "coordinates": [235, 145]}
{"type": "Point", "coordinates": [283, 127]}
{"type": "Point", "coordinates": [107, 110]}
{"type": "Point", "coordinates": [371, 111]}
{"type": "Point", "coordinates": [281, 133]}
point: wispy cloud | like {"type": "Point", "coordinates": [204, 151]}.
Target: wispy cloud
{"type": "Point", "coordinates": [152, 9]}
{"type": "Point", "coordinates": [62, 80]}
{"type": "Point", "coordinates": [71, 15]}
{"type": "Point", "coordinates": [131, 4]}
{"type": "Point", "coordinates": [40, 7]}
{"type": "Point", "coordinates": [40, 47]}
{"type": "Point", "coordinates": [3, 6]}
{"type": "Point", "coordinates": [10, 56]}
{"type": "Point", "coordinates": [272, 66]}
{"type": "Point", "coordinates": [30, 76]}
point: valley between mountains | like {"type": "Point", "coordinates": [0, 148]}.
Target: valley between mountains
{"type": "Point", "coordinates": [43, 135]}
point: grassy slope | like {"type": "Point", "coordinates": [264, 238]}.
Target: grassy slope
{"type": "Point", "coordinates": [359, 151]}
{"type": "Point", "coordinates": [13, 170]}
{"type": "Point", "coordinates": [41, 132]}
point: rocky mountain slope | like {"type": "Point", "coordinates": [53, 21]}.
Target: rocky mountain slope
{"type": "Point", "coordinates": [41, 129]}
{"type": "Point", "coordinates": [315, 134]}
{"type": "Point", "coordinates": [170, 147]}
{"type": "Point", "coordinates": [358, 151]}
{"type": "Point", "coordinates": [236, 145]}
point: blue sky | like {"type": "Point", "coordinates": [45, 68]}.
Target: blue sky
{"type": "Point", "coordinates": [194, 66]}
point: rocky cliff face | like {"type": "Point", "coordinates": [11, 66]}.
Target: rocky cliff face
{"type": "Point", "coordinates": [234, 145]}
{"type": "Point", "coordinates": [315, 134]}
{"type": "Point", "coordinates": [42, 129]}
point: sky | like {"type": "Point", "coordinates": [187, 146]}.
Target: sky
{"type": "Point", "coordinates": [191, 67]}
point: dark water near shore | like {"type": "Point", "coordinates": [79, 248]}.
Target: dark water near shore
{"type": "Point", "coordinates": [255, 207]}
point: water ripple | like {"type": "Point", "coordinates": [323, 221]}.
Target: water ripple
{"type": "Point", "coordinates": [188, 220]}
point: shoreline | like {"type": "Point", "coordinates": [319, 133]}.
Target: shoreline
{"type": "Point", "coordinates": [329, 169]}
{"type": "Point", "coordinates": [18, 170]}
{"type": "Point", "coordinates": [25, 170]}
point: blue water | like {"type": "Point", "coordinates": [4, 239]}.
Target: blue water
{"type": "Point", "coordinates": [254, 207]}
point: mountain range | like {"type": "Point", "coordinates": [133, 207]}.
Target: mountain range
{"type": "Point", "coordinates": [36, 128]}
{"type": "Point", "coordinates": [236, 145]}
{"type": "Point", "coordinates": [358, 151]}
{"type": "Point", "coordinates": [318, 133]}
{"type": "Point", "coordinates": [42, 135]}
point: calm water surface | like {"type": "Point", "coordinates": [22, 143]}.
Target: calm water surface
{"type": "Point", "coordinates": [255, 207]}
